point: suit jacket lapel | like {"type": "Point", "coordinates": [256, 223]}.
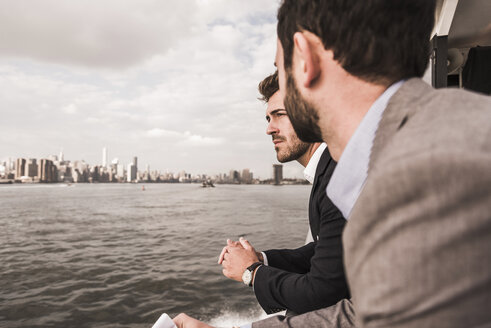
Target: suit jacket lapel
{"type": "Point", "coordinates": [400, 108]}
{"type": "Point", "coordinates": [314, 219]}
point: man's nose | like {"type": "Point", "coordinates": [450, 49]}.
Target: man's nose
{"type": "Point", "coordinates": [271, 128]}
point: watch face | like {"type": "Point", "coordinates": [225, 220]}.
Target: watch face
{"type": "Point", "coordinates": [247, 277]}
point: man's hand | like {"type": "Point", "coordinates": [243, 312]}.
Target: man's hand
{"type": "Point", "coordinates": [237, 244]}
{"type": "Point", "coordinates": [224, 250]}
{"type": "Point", "coordinates": [185, 321]}
{"type": "Point", "coordinates": [236, 257]}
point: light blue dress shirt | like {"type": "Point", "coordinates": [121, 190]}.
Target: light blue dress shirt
{"type": "Point", "coordinates": [350, 174]}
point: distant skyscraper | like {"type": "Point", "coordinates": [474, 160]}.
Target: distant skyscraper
{"type": "Point", "coordinates": [135, 162]}
{"type": "Point", "coordinates": [20, 168]}
{"type": "Point", "coordinates": [277, 173]}
{"type": "Point", "coordinates": [104, 157]}
{"type": "Point", "coordinates": [10, 165]}
{"type": "Point", "coordinates": [246, 176]}
{"type": "Point", "coordinates": [234, 176]}
{"type": "Point", "coordinates": [62, 158]}
{"type": "Point", "coordinates": [131, 172]}
{"type": "Point", "coordinates": [120, 171]}
{"type": "Point", "coordinates": [31, 168]}
{"type": "Point", "coordinates": [47, 171]}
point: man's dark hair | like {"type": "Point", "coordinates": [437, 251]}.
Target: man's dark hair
{"type": "Point", "coordinates": [268, 87]}
{"type": "Point", "coordinates": [379, 41]}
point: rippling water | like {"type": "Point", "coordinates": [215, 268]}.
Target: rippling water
{"type": "Point", "coordinates": [112, 255]}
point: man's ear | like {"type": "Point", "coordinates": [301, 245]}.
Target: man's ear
{"type": "Point", "coordinates": [307, 59]}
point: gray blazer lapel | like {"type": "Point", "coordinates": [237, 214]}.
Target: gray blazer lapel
{"type": "Point", "coordinates": [402, 105]}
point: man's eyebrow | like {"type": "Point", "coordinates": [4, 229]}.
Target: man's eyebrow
{"type": "Point", "coordinates": [274, 111]}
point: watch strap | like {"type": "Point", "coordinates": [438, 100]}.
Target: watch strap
{"type": "Point", "coordinates": [251, 269]}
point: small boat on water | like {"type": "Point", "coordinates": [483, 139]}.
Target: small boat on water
{"type": "Point", "coordinates": [207, 184]}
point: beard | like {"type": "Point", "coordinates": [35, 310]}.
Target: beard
{"type": "Point", "coordinates": [303, 115]}
{"type": "Point", "coordinates": [296, 148]}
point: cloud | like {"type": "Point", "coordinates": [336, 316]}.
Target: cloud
{"type": "Point", "coordinates": [70, 109]}
{"type": "Point", "coordinates": [197, 140]}
{"type": "Point", "coordinates": [184, 138]}
{"type": "Point", "coordinates": [103, 33]}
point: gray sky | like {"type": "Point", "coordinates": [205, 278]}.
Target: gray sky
{"type": "Point", "coordinates": [172, 82]}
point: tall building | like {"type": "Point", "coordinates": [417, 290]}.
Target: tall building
{"type": "Point", "coordinates": [10, 166]}
{"type": "Point", "coordinates": [120, 171]}
{"type": "Point", "coordinates": [234, 176]}
{"type": "Point", "coordinates": [81, 166]}
{"type": "Point", "coordinates": [131, 172]}
{"type": "Point", "coordinates": [135, 162]}
{"type": "Point", "coordinates": [47, 171]}
{"type": "Point", "coordinates": [246, 176]}
{"type": "Point", "coordinates": [20, 168]}
{"type": "Point", "coordinates": [104, 157]}
{"type": "Point", "coordinates": [31, 168]}
{"type": "Point", "coordinates": [61, 157]}
{"type": "Point", "coordinates": [277, 173]}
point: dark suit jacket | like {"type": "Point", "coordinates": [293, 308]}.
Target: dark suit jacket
{"type": "Point", "coordinates": [310, 277]}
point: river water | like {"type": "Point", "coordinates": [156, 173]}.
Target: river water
{"type": "Point", "coordinates": [113, 255]}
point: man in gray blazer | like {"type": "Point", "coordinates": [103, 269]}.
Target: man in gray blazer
{"type": "Point", "coordinates": [414, 164]}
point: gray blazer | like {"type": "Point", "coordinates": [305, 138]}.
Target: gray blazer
{"type": "Point", "coordinates": [418, 241]}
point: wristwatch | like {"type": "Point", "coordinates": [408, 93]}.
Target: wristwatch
{"type": "Point", "coordinates": [247, 275]}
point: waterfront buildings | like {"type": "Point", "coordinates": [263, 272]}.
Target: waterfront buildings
{"type": "Point", "coordinates": [55, 168]}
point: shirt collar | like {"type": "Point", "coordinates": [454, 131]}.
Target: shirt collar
{"type": "Point", "coordinates": [309, 171]}
{"type": "Point", "coordinates": [351, 171]}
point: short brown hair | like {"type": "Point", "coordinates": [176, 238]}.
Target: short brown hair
{"type": "Point", "coordinates": [268, 87]}
{"type": "Point", "coordinates": [375, 40]}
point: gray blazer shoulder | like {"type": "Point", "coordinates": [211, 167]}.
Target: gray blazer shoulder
{"type": "Point", "coordinates": [417, 242]}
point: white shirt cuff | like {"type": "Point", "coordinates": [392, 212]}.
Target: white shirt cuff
{"type": "Point", "coordinates": [265, 258]}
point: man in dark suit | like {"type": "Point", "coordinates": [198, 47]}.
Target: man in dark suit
{"type": "Point", "coordinates": [312, 276]}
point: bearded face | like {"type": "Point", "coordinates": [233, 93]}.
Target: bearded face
{"type": "Point", "coordinates": [286, 143]}
{"type": "Point", "coordinates": [303, 115]}
{"type": "Point", "coordinates": [289, 148]}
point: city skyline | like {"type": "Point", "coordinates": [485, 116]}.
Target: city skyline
{"type": "Point", "coordinates": [174, 81]}
{"type": "Point", "coordinates": [52, 168]}
{"type": "Point", "coordinates": [57, 169]}
{"type": "Point", "coordinates": [61, 156]}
